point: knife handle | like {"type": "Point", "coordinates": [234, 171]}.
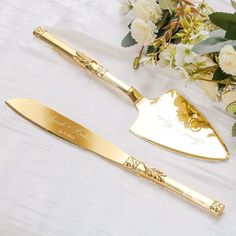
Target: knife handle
{"type": "Point", "coordinates": [161, 178]}
{"type": "Point", "coordinates": [87, 63]}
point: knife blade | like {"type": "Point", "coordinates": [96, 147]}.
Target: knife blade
{"type": "Point", "coordinates": [169, 121]}
{"type": "Point", "coordinates": [77, 134]}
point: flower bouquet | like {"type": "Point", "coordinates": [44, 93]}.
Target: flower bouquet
{"type": "Point", "coordinates": [189, 37]}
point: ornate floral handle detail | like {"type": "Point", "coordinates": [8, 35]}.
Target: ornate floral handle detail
{"type": "Point", "coordinates": [87, 63]}
{"type": "Point", "coordinates": [161, 178]}
{"type": "Point", "coordinates": [141, 169]}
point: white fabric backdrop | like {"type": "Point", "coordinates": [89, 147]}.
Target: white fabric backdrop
{"type": "Point", "coordinates": [49, 187]}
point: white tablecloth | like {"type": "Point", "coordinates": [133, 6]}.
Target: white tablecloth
{"type": "Point", "coordinates": [49, 187]}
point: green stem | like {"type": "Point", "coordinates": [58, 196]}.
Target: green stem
{"type": "Point", "coordinates": [215, 81]}
{"type": "Point", "coordinates": [137, 59]}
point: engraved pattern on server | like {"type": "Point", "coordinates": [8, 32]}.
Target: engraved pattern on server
{"type": "Point", "coordinates": [100, 71]}
{"type": "Point", "coordinates": [84, 61]}
{"type": "Point", "coordinates": [141, 169]}
{"type": "Point", "coordinates": [217, 207]}
{"type": "Point", "coordinates": [89, 64]}
{"type": "Point", "coordinates": [39, 32]}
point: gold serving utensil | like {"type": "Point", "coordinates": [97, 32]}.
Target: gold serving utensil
{"type": "Point", "coordinates": [169, 121]}
{"type": "Point", "coordinates": [75, 133]}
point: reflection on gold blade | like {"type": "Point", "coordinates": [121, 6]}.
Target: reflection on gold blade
{"type": "Point", "coordinates": [172, 122]}
{"type": "Point", "coordinates": [190, 117]}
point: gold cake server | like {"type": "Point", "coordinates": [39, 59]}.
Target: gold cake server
{"type": "Point", "coordinates": [170, 120]}
{"type": "Point", "coordinates": [75, 133]}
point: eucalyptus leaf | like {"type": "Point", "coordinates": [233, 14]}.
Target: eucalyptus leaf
{"type": "Point", "coordinates": [220, 75]}
{"type": "Point", "coordinates": [233, 3]}
{"type": "Point", "coordinates": [213, 44]}
{"type": "Point", "coordinates": [234, 130]}
{"type": "Point", "coordinates": [226, 21]}
{"type": "Point", "coordinates": [169, 5]}
{"type": "Point", "coordinates": [217, 33]}
{"type": "Point", "coordinates": [128, 41]}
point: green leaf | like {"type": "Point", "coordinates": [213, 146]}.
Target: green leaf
{"type": "Point", "coordinates": [129, 25]}
{"type": "Point", "coordinates": [151, 49]}
{"type": "Point", "coordinates": [213, 44]}
{"type": "Point", "coordinates": [234, 130]}
{"type": "Point", "coordinates": [231, 33]}
{"type": "Point", "coordinates": [128, 41]}
{"type": "Point", "coordinates": [169, 5]}
{"type": "Point", "coordinates": [231, 108]}
{"type": "Point", "coordinates": [226, 21]}
{"type": "Point", "coordinates": [220, 75]}
{"type": "Point", "coordinates": [233, 3]}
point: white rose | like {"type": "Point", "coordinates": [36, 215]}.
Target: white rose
{"type": "Point", "coordinates": [184, 55]}
{"type": "Point", "coordinates": [147, 10]}
{"type": "Point", "coordinates": [125, 7]}
{"type": "Point", "coordinates": [142, 32]}
{"type": "Point", "coordinates": [227, 60]}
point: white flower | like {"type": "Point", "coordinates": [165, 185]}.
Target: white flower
{"type": "Point", "coordinates": [227, 60]}
{"type": "Point", "coordinates": [125, 7]}
{"type": "Point", "coordinates": [200, 36]}
{"type": "Point", "coordinates": [142, 32]}
{"type": "Point", "coordinates": [147, 10]}
{"type": "Point", "coordinates": [148, 61]}
{"type": "Point", "coordinates": [210, 88]}
{"type": "Point", "coordinates": [184, 73]}
{"type": "Point", "coordinates": [167, 56]}
{"type": "Point", "coordinates": [229, 97]}
{"type": "Point", "coordinates": [204, 61]}
{"type": "Point", "coordinates": [184, 55]}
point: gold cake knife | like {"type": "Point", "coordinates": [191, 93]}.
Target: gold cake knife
{"type": "Point", "coordinates": [75, 133]}
{"type": "Point", "coordinates": [170, 120]}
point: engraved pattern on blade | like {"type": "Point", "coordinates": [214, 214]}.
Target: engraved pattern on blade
{"type": "Point", "coordinates": [141, 169]}
{"type": "Point", "coordinates": [67, 130]}
{"type": "Point", "coordinates": [89, 64]}
{"type": "Point", "coordinates": [217, 207]}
